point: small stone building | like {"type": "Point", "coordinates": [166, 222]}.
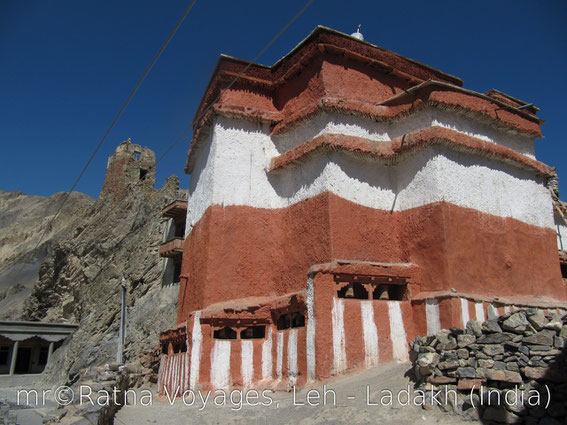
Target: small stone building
{"type": "Point", "coordinates": [342, 202]}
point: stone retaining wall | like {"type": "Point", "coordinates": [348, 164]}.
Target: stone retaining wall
{"type": "Point", "coordinates": [511, 369]}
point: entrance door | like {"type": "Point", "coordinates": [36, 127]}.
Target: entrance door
{"type": "Point", "coordinates": [23, 360]}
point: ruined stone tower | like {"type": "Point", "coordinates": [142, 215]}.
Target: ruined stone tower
{"type": "Point", "coordinates": [130, 165]}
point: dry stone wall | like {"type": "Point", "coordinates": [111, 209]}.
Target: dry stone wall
{"type": "Point", "coordinates": [511, 369]}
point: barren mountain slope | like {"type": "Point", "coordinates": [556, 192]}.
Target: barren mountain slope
{"type": "Point", "coordinates": [23, 219]}
{"type": "Point", "coordinates": [80, 283]}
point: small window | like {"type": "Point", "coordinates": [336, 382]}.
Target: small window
{"type": "Point", "coordinates": [180, 348]}
{"type": "Point", "coordinates": [392, 292]}
{"type": "Point", "coordinates": [43, 355]}
{"type": "Point", "coordinates": [283, 322]}
{"type": "Point", "coordinates": [253, 332]}
{"type": "Point", "coordinates": [353, 290]}
{"type": "Point", "coordinates": [297, 320]}
{"type": "Point", "coordinates": [143, 174]}
{"type": "Point", "coordinates": [4, 353]}
{"type": "Point", "coordinates": [177, 272]}
{"type": "Point", "coordinates": [564, 270]}
{"type": "Point", "coordinates": [136, 156]}
{"type": "Point", "coordinates": [225, 333]}
{"type": "Point", "coordinates": [164, 349]}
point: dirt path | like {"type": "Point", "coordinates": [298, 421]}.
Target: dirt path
{"type": "Point", "coordinates": [350, 406]}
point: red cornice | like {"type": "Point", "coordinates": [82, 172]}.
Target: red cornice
{"type": "Point", "coordinates": [392, 151]}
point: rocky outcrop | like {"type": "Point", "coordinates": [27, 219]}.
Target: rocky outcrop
{"type": "Point", "coordinates": [24, 219]}
{"type": "Point", "coordinates": [81, 282]}
{"type": "Point", "coordinates": [512, 369]}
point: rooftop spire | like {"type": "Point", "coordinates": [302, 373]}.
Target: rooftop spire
{"type": "Point", "coordinates": [358, 35]}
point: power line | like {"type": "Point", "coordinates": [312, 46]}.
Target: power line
{"type": "Point", "coordinates": [148, 69]}
{"type": "Point", "coordinates": [266, 47]}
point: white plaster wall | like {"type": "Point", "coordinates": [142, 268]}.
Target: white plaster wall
{"type": "Point", "coordinates": [310, 334]}
{"type": "Point", "coordinates": [338, 324]}
{"type": "Point", "coordinates": [247, 362]}
{"type": "Point", "coordinates": [337, 123]}
{"type": "Point", "coordinates": [267, 356]}
{"type": "Point", "coordinates": [400, 349]}
{"type": "Point", "coordinates": [231, 170]}
{"type": "Point", "coordinates": [432, 317]}
{"type": "Point", "coordinates": [196, 340]}
{"type": "Point", "coordinates": [220, 364]}
{"type": "Point", "coordinates": [292, 371]}
{"type": "Point", "coordinates": [370, 334]}
{"type": "Point", "coordinates": [465, 316]}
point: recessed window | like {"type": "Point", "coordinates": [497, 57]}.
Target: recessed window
{"type": "Point", "coordinates": [4, 354]}
{"type": "Point", "coordinates": [43, 355]}
{"type": "Point", "coordinates": [564, 270]}
{"type": "Point", "coordinates": [143, 174]}
{"type": "Point", "coordinates": [180, 348]}
{"type": "Point", "coordinates": [164, 349]}
{"type": "Point", "coordinates": [283, 322]}
{"type": "Point", "coordinates": [225, 333]}
{"type": "Point", "coordinates": [381, 291]}
{"type": "Point", "coordinates": [177, 272]}
{"type": "Point", "coordinates": [253, 332]}
{"type": "Point", "coordinates": [353, 290]}
{"type": "Point", "coordinates": [297, 320]}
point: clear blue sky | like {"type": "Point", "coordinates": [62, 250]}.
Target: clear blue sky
{"type": "Point", "coordinates": [67, 66]}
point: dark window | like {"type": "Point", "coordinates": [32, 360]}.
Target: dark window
{"type": "Point", "coordinates": [389, 292]}
{"type": "Point", "coordinates": [164, 349]}
{"type": "Point", "coordinates": [43, 354]}
{"type": "Point", "coordinates": [297, 320]}
{"type": "Point", "coordinates": [143, 174]}
{"type": "Point", "coordinates": [4, 354]}
{"type": "Point", "coordinates": [253, 332]}
{"type": "Point", "coordinates": [179, 229]}
{"type": "Point", "coordinates": [564, 270]}
{"type": "Point", "coordinates": [224, 333]}
{"type": "Point", "coordinates": [180, 348]}
{"type": "Point", "coordinates": [136, 156]}
{"type": "Point", "coordinates": [353, 290]}
{"type": "Point", "coordinates": [283, 322]}
{"type": "Point", "coordinates": [176, 271]}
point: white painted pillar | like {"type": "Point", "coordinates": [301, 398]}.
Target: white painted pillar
{"type": "Point", "coordinates": [14, 356]}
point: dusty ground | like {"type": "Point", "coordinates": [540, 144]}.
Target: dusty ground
{"type": "Point", "coordinates": [352, 411]}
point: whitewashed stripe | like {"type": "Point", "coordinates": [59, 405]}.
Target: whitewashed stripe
{"type": "Point", "coordinates": [292, 371]}
{"type": "Point", "coordinates": [279, 355]}
{"type": "Point", "coordinates": [247, 362]}
{"type": "Point", "coordinates": [311, 375]}
{"type": "Point", "coordinates": [465, 316]}
{"type": "Point", "coordinates": [267, 356]}
{"type": "Point", "coordinates": [479, 311]}
{"type": "Point", "coordinates": [432, 316]}
{"type": "Point", "coordinates": [370, 333]}
{"type": "Point", "coordinates": [160, 373]}
{"type": "Point", "coordinates": [398, 332]}
{"type": "Point", "coordinates": [339, 350]}
{"type": "Point", "coordinates": [220, 364]}
{"type": "Point", "coordinates": [506, 309]}
{"type": "Point", "coordinates": [196, 340]}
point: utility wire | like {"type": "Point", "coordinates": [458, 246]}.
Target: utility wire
{"type": "Point", "coordinates": [266, 47]}
{"type": "Point", "coordinates": [161, 50]}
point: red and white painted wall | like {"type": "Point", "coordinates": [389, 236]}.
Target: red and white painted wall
{"type": "Point", "coordinates": [376, 195]}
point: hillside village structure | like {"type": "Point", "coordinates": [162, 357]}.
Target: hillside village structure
{"type": "Point", "coordinates": [342, 202]}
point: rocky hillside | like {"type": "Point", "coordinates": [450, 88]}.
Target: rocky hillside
{"type": "Point", "coordinates": [80, 281]}
{"type": "Point", "coordinates": [23, 219]}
